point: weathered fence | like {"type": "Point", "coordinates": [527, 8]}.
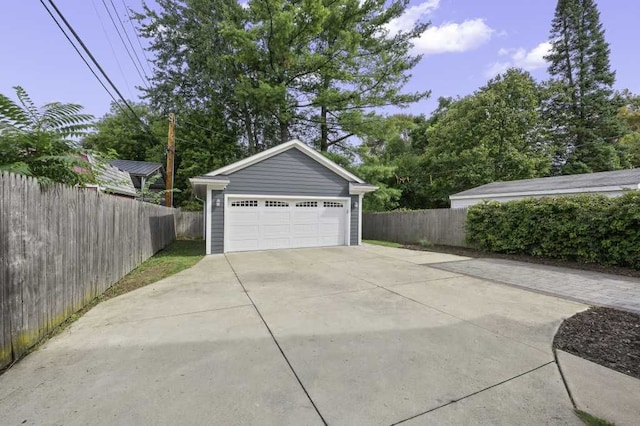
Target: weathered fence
{"type": "Point", "coordinates": [60, 247]}
{"type": "Point", "coordinates": [189, 225]}
{"type": "Point", "coordinates": [438, 226]}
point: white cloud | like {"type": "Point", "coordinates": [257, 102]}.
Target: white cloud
{"type": "Point", "coordinates": [412, 16]}
{"type": "Point", "coordinates": [453, 37]}
{"type": "Point", "coordinates": [521, 58]}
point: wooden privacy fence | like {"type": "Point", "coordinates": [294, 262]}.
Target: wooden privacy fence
{"type": "Point", "coordinates": [189, 225]}
{"type": "Point", "coordinates": [438, 226]}
{"type": "Point", "coordinates": [60, 247]}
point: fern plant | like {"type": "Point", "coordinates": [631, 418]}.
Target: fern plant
{"type": "Point", "coordinates": [41, 142]}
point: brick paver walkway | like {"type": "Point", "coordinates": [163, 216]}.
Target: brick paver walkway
{"type": "Point", "coordinates": [588, 287]}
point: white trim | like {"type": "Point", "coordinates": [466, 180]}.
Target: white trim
{"type": "Point", "coordinates": [285, 197]}
{"type": "Point", "coordinates": [212, 184]}
{"type": "Point", "coordinates": [360, 219]}
{"type": "Point", "coordinates": [239, 165]}
{"type": "Point", "coordinates": [207, 221]}
{"type": "Point", "coordinates": [357, 189]}
{"type": "Point", "coordinates": [544, 192]}
{"type": "Point", "coordinates": [225, 225]}
{"type": "Point", "coordinates": [228, 197]}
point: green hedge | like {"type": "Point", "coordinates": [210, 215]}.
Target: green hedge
{"type": "Point", "coordinates": [585, 228]}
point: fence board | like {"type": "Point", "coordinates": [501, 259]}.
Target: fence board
{"type": "Point", "coordinates": [438, 226]}
{"type": "Point", "coordinates": [60, 247]}
{"type": "Point", "coordinates": [189, 224]}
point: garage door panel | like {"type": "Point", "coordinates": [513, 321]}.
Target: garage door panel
{"type": "Point", "coordinates": [273, 224]}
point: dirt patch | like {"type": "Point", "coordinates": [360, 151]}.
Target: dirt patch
{"type": "Point", "coordinates": [470, 252]}
{"type": "Point", "coordinates": [605, 336]}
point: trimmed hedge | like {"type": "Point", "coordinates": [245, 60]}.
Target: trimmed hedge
{"type": "Point", "coordinates": [584, 228]}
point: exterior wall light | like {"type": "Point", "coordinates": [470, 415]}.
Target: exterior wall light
{"type": "Point", "coordinates": [217, 202]}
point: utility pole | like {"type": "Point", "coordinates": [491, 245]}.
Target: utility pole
{"type": "Point", "coordinates": [171, 151]}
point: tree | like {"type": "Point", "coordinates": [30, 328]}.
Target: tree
{"type": "Point", "coordinates": [494, 134]}
{"type": "Point", "coordinates": [121, 132]}
{"type": "Point", "coordinates": [629, 114]}
{"type": "Point", "coordinates": [581, 107]}
{"type": "Point", "coordinates": [279, 69]}
{"type": "Point", "coordinates": [41, 142]}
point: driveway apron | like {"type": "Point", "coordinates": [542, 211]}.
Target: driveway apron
{"type": "Point", "coordinates": [344, 335]}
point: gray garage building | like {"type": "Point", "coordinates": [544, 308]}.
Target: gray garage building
{"type": "Point", "coordinates": [611, 184]}
{"type": "Point", "coordinates": [288, 196]}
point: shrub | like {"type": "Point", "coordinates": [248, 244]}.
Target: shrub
{"type": "Point", "coordinates": [585, 228]}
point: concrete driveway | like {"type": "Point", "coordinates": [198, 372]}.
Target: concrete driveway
{"type": "Point", "coordinates": [346, 336]}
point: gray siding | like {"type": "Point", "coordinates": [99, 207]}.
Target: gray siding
{"type": "Point", "coordinates": [288, 173]}
{"type": "Point", "coordinates": [354, 219]}
{"type": "Point", "coordinates": [217, 222]}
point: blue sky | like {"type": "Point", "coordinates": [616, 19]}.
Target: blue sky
{"type": "Point", "coordinates": [468, 42]}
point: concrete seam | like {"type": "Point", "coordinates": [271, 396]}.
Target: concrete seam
{"type": "Point", "coordinates": [564, 380]}
{"type": "Point", "coordinates": [472, 394]}
{"type": "Point", "coordinates": [175, 315]}
{"type": "Point", "coordinates": [273, 337]}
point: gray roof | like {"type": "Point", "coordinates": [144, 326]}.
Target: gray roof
{"type": "Point", "coordinates": [620, 178]}
{"type": "Point", "coordinates": [138, 168]}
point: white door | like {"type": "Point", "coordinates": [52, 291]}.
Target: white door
{"type": "Point", "coordinates": [262, 224]}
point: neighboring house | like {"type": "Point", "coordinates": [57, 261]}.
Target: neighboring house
{"type": "Point", "coordinates": [142, 172]}
{"type": "Point", "coordinates": [285, 197]}
{"type": "Point", "coordinates": [611, 184]}
{"type": "Point", "coordinates": [109, 179]}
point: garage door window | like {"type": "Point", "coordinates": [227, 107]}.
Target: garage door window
{"type": "Point", "coordinates": [333, 204]}
{"type": "Point", "coordinates": [245, 203]}
{"type": "Point", "coordinates": [270, 203]}
{"type": "Point", "coordinates": [307, 204]}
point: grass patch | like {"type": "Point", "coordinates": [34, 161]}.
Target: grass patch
{"type": "Point", "coordinates": [178, 256]}
{"type": "Point", "coordinates": [383, 243]}
{"type": "Point", "coordinates": [590, 420]}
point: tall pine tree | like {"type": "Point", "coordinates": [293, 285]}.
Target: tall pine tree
{"type": "Point", "coordinates": [581, 107]}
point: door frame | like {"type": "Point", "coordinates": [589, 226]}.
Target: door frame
{"type": "Point", "coordinates": [228, 197]}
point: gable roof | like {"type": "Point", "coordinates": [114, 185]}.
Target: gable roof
{"type": "Point", "coordinates": [587, 182]}
{"type": "Point", "coordinates": [292, 144]}
{"type": "Point", "coordinates": [138, 168]}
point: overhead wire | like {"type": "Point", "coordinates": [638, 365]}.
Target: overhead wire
{"type": "Point", "coordinates": [126, 48]}
{"type": "Point", "coordinates": [113, 50]}
{"type": "Point", "coordinates": [93, 60]}
{"type": "Point", "coordinates": [78, 51]}
{"type": "Point", "coordinates": [135, 32]}
{"type": "Point", "coordinates": [135, 53]}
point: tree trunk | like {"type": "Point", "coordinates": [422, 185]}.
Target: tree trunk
{"type": "Point", "coordinates": [324, 130]}
{"type": "Point", "coordinates": [249, 130]}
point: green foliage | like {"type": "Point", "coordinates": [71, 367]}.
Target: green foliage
{"type": "Point", "coordinates": [121, 132]}
{"type": "Point", "coordinates": [581, 108]}
{"type": "Point", "coordinates": [493, 135]}
{"type": "Point", "coordinates": [279, 69]}
{"type": "Point", "coordinates": [374, 171]}
{"type": "Point", "coordinates": [585, 228]}
{"type": "Point", "coordinates": [40, 142]}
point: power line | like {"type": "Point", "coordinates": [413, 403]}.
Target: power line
{"type": "Point", "coordinates": [142, 49]}
{"type": "Point", "coordinates": [113, 50]}
{"type": "Point", "coordinates": [113, 21]}
{"type": "Point", "coordinates": [95, 62]}
{"type": "Point", "coordinates": [135, 53]}
{"type": "Point", "coordinates": [78, 51]}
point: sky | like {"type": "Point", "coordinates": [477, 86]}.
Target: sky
{"type": "Point", "coordinates": [467, 43]}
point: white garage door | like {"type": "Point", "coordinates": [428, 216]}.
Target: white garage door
{"type": "Point", "coordinates": [262, 224]}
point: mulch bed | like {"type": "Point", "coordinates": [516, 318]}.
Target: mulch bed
{"type": "Point", "coordinates": [605, 336]}
{"type": "Point", "coordinates": [470, 252]}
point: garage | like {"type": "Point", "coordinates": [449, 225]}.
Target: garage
{"type": "Point", "coordinates": [272, 223]}
{"type": "Point", "coordinates": [289, 196]}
